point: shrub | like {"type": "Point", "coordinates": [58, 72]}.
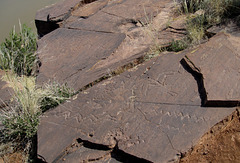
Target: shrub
{"type": "Point", "coordinates": [55, 94]}
{"type": "Point", "coordinates": [178, 45]}
{"type": "Point", "coordinates": [215, 10]}
{"type": "Point", "coordinates": [190, 6]}
{"type": "Point", "coordinates": [20, 118]}
{"type": "Point", "coordinates": [18, 52]}
{"type": "Point", "coordinates": [196, 29]}
{"type": "Point", "coordinates": [209, 12]}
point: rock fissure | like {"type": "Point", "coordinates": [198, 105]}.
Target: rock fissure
{"type": "Point", "coordinates": [105, 152]}
{"type": "Point", "coordinates": [89, 30]}
{"type": "Point", "coordinates": [111, 14]}
{"type": "Point", "coordinates": [177, 29]}
{"type": "Point", "coordinates": [115, 152]}
{"type": "Point", "coordinates": [115, 72]}
{"type": "Point", "coordinates": [195, 72]}
{"type": "Point", "coordinates": [81, 69]}
{"type": "Point", "coordinates": [128, 106]}
{"type": "Point", "coordinates": [178, 32]}
{"type": "Point", "coordinates": [51, 18]}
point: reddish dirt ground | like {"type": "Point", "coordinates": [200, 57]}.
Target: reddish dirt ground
{"type": "Point", "coordinates": [220, 144]}
{"type": "Point", "coordinates": [16, 157]}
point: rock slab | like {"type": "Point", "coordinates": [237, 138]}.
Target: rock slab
{"type": "Point", "coordinates": [152, 113]}
{"type": "Point", "coordinates": [219, 63]}
{"type": "Point", "coordinates": [68, 56]}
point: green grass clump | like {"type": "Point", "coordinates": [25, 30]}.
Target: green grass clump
{"type": "Point", "coordinates": [211, 12]}
{"type": "Point", "coordinates": [178, 45]}
{"type": "Point", "coordinates": [215, 11]}
{"type": "Point", "coordinates": [196, 29]}
{"type": "Point", "coordinates": [20, 118]}
{"type": "Point", "coordinates": [18, 52]}
{"type": "Point", "coordinates": [190, 6]}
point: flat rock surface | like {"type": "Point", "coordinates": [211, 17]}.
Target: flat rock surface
{"type": "Point", "coordinates": [5, 91]}
{"type": "Point", "coordinates": [152, 112]}
{"type": "Point", "coordinates": [58, 11]}
{"type": "Point", "coordinates": [219, 63]}
{"type": "Point", "coordinates": [68, 55]}
{"type": "Point", "coordinates": [219, 144]}
{"type": "Point", "coordinates": [100, 44]}
{"type": "Point", "coordinates": [89, 9]}
{"type": "Point", "coordinates": [120, 12]}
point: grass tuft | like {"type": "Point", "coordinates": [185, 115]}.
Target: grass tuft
{"type": "Point", "coordinates": [190, 6]}
{"type": "Point", "coordinates": [55, 95]}
{"type": "Point", "coordinates": [18, 52]}
{"type": "Point", "coordinates": [20, 119]}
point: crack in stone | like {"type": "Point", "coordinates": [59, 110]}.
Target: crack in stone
{"type": "Point", "coordinates": [177, 29]}
{"type": "Point", "coordinates": [195, 72]}
{"type": "Point", "coordinates": [111, 152]}
{"type": "Point", "coordinates": [115, 72]}
{"type": "Point", "coordinates": [88, 30]}
{"type": "Point", "coordinates": [182, 33]}
{"type": "Point", "coordinates": [78, 130]}
{"type": "Point", "coordinates": [53, 23]}
{"type": "Point", "coordinates": [81, 69]}
{"type": "Point", "coordinates": [118, 16]}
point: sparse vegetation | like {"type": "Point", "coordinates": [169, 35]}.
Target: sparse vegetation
{"type": "Point", "coordinates": [195, 29]}
{"type": "Point", "coordinates": [18, 52]}
{"type": "Point", "coordinates": [202, 14]}
{"type": "Point", "coordinates": [20, 117]}
{"type": "Point", "coordinates": [190, 6]}
{"type": "Point", "coordinates": [215, 11]}
{"type": "Point", "coordinates": [55, 94]}
{"type": "Point", "coordinates": [178, 45]}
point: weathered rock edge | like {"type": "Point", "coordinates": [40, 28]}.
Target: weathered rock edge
{"type": "Point", "coordinates": [121, 112]}
{"type": "Point", "coordinates": [215, 66]}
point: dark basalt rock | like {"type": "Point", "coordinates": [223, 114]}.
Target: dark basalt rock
{"type": "Point", "coordinates": [48, 18]}
{"type": "Point", "coordinates": [218, 61]}
{"type": "Point", "coordinates": [69, 56]}
{"type": "Point", "coordinates": [5, 91]}
{"type": "Point", "coordinates": [151, 113]}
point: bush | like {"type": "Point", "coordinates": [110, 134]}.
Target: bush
{"type": "Point", "coordinates": [178, 45]}
{"type": "Point", "coordinates": [215, 10]}
{"type": "Point", "coordinates": [20, 118]}
{"type": "Point", "coordinates": [206, 14]}
{"type": "Point", "coordinates": [18, 52]}
{"type": "Point", "coordinates": [190, 6]}
{"type": "Point", "coordinates": [196, 28]}
{"type": "Point", "coordinates": [55, 94]}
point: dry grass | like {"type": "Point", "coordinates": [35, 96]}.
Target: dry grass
{"type": "Point", "coordinates": [20, 118]}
